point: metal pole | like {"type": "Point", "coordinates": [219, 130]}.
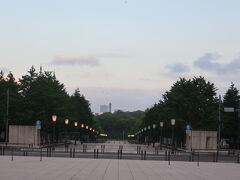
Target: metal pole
{"type": "Point", "coordinates": [12, 154]}
{"type": "Point", "coordinates": [53, 135]}
{"type": "Point", "coordinates": [219, 123]}
{"type": "Point", "coordinates": [169, 154]}
{"type": "Point", "coordinates": [161, 139]}
{"type": "Point", "coordinates": [198, 159]}
{"type": "Point", "coordinates": [172, 137]}
{"type": "Point", "coordinates": [41, 155]}
{"type": "Point", "coordinates": [6, 135]}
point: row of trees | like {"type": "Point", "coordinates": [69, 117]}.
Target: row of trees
{"type": "Point", "coordinates": [193, 102]}
{"type": "Point", "coordinates": [37, 96]}
{"type": "Point", "coordinates": [119, 124]}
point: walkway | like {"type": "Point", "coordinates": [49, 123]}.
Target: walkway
{"type": "Point", "coordinates": [29, 168]}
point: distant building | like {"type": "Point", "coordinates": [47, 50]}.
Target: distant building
{"type": "Point", "coordinates": [104, 108]}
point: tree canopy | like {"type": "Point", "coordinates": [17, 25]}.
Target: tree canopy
{"type": "Point", "coordinates": [38, 96]}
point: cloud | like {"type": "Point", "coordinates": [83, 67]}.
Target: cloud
{"type": "Point", "coordinates": [64, 60]}
{"type": "Point", "coordinates": [208, 62]}
{"type": "Point", "coordinates": [177, 68]}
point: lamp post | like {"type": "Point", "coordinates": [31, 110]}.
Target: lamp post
{"type": "Point", "coordinates": [65, 142]}
{"type": "Point", "coordinates": [173, 124]}
{"type": "Point", "coordinates": [54, 119]}
{"type": "Point", "coordinates": [161, 127]}
{"type": "Point", "coordinates": [75, 124]}
{"type": "Point", "coordinates": [66, 123]}
{"type": "Point", "coordinates": [153, 136]}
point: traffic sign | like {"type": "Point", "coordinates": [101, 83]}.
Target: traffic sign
{"type": "Point", "coordinates": [38, 123]}
{"type": "Point", "coordinates": [188, 127]}
{"type": "Point", "coordinates": [228, 109]}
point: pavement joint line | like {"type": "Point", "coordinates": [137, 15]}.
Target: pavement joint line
{"type": "Point", "coordinates": [130, 169]}
{"type": "Point", "coordinates": [106, 169]}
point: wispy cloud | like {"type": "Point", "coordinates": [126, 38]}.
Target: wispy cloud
{"type": "Point", "coordinates": [177, 68]}
{"type": "Point", "coordinates": [81, 60]}
{"type": "Point", "coordinates": [208, 62]}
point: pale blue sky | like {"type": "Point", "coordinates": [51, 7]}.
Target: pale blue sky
{"type": "Point", "coordinates": [128, 52]}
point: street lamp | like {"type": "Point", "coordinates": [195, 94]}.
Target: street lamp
{"type": "Point", "coordinates": [75, 124]}
{"type": "Point", "coordinates": [153, 135]}
{"type": "Point", "coordinates": [161, 126]}
{"type": "Point", "coordinates": [54, 119]}
{"type": "Point", "coordinates": [173, 124]}
{"type": "Point", "coordinates": [82, 125]}
{"type": "Point", "coordinates": [66, 121]}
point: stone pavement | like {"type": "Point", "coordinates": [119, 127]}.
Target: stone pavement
{"type": "Point", "coordinates": [29, 168]}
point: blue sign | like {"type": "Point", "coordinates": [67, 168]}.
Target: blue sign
{"type": "Point", "coordinates": [38, 123]}
{"type": "Point", "coordinates": [188, 127]}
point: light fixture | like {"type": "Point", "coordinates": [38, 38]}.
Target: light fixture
{"type": "Point", "coordinates": [154, 126]}
{"type": "Point", "coordinates": [66, 121]}
{"type": "Point", "coordinates": [173, 122]}
{"type": "Point", "coordinates": [86, 127]}
{"type": "Point", "coordinates": [75, 124]}
{"type": "Point", "coordinates": [54, 118]}
{"type": "Point", "coordinates": [149, 127]}
{"type": "Point", "coordinates": [82, 125]}
{"type": "Point", "coordinates": [161, 124]}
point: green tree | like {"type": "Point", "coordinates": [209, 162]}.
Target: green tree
{"type": "Point", "coordinates": [191, 102]}
{"type": "Point", "coordinates": [230, 120]}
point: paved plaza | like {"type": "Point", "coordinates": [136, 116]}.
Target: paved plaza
{"type": "Point", "coordinates": [110, 146]}
{"type": "Point", "coordinates": [29, 168]}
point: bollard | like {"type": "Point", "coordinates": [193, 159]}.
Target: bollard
{"type": "Point", "coordinates": [94, 154]}
{"type": "Point", "coordinates": [198, 160]}
{"type": "Point", "coordinates": [238, 158]}
{"type": "Point", "coordinates": [142, 155]}
{"type": "Point", "coordinates": [145, 155]}
{"type": "Point", "coordinates": [97, 153]}
{"type": "Point", "coordinates": [118, 154]}
{"type": "Point", "coordinates": [121, 154]}
{"type": "Point", "coordinates": [41, 155]}
{"type": "Point", "coordinates": [73, 152]}
{"type": "Point", "coordinates": [169, 154]}
{"type": "Point", "coordinates": [70, 152]}
{"type": "Point", "coordinates": [50, 151]}
{"type": "Point", "coordinates": [165, 155]}
{"type": "Point", "coordinates": [217, 155]}
{"type": "Point", "coordinates": [193, 156]}
{"type": "Point", "coordinates": [12, 154]}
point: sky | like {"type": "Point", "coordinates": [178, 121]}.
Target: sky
{"type": "Point", "coordinates": [127, 52]}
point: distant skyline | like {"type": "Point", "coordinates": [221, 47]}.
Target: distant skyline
{"type": "Point", "coordinates": [127, 52]}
